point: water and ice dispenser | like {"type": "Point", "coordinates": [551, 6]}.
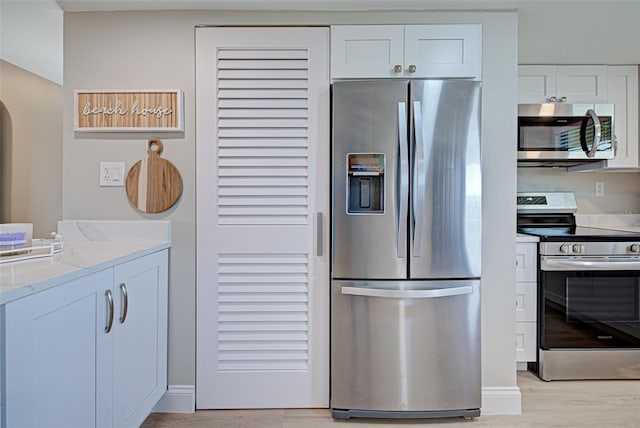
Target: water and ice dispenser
{"type": "Point", "coordinates": [365, 183]}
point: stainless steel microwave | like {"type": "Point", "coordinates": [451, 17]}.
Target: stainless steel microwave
{"type": "Point", "coordinates": [558, 133]}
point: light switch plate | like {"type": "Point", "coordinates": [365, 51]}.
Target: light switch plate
{"type": "Point", "coordinates": [112, 174]}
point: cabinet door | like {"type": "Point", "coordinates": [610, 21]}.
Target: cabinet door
{"type": "Point", "coordinates": [526, 341]}
{"type": "Point", "coordinates": [359, 51]}
{"type": "Point", "coordinates": [262, 217]}
{"type": "Point", "coordinates": [526, 261]}
{"type": "Point", "coordinates": [140, 338]}
{"type": "Point", "coordinates": [582, 83]}
{"type": "Point", "coordinates": [536, 83]}
{"type": "Point", "coordinates": [443, 51]}
{"type": "Point", "coordinates": [57, 352]}
{"type": "Point", "coordinates": [622, 91]}
{"type": "Point", "coordinates": [526, 301]}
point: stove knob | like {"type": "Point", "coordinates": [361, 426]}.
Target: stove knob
{"type": "Point", "coordinates": [579, 249]}
{"type": "Point", "coordinates": [635, 248]}
{"type": "Point", "coordinates": [565, 249]}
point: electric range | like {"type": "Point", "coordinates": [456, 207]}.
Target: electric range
{"type": "Point", "coordinates": [588, 292]}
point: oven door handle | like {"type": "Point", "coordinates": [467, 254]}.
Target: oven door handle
{"type": "Point", "coordinates": [554, 264]}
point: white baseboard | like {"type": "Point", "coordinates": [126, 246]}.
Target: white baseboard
{"type": "Point", "coordinates": [177, 399]}
{"type": "Point", "coordinates": [497, 400]}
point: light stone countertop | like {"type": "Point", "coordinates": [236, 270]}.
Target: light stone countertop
{"type": "Point", "coordinates": [87, 252]}
{"type": "Point", "coordinates": [521, 237]}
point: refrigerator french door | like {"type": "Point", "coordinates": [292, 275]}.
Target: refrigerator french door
{"type": "Point", "coordinates": [406, 249]}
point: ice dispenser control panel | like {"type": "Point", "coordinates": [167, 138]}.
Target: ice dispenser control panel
{"type": "Point", "coordinates": [365, 183]}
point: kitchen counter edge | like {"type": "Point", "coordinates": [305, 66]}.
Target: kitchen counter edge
{"type": "Point", "coordinates": [78, 259]}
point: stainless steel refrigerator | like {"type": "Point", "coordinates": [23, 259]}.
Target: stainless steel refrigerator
{"type": "Point", "coordinates": [406, 249]}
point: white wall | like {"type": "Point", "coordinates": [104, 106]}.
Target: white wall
{"type": "Point", "coordinates": [31, 36]}
{"type": "Point", "coordinates": [30, 150]}
{"type": "Point", "coordinates": [156, 50]}
{"type": "Point", "coordinates": [579, 32]}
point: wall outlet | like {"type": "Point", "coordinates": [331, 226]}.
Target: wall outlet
{"type": "Point", "coordinates": [112, 174]}
{"type": "Point", "coordinates": [599, 189]}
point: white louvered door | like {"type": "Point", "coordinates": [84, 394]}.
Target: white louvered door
{"type": "Point", "coordinates": [262, 158]}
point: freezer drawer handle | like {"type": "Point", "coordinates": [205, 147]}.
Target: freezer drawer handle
{"type": "Point", "coordinates": [407, 294]}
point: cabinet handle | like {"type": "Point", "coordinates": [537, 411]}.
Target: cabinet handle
{"type": "Point", "coordinates": [552, 99]}
{"type": "Point", "coordinates": [411, 69]}
{"type": "Point", "coordinates": [319, 233]}
{"type": "Point", "coordinates": [125, 302]}
{"type": "Point", "coordinates": [107, 329]}
{"type": "Point", "coordinates": [397, 68]}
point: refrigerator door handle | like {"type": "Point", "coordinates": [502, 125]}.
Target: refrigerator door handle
{"type": "Point", "coordinates": [407, 294]}
{"type": "Point", "coordinates": [319, 234]}
{"type": "Point", "coordinates": [419, 179]}
{"type": "Point", "coordinates": [403, 192]}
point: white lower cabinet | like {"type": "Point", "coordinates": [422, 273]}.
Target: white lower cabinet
{"type": "Point", "coordinates": [526, 301]}
{"type": "Point", "coordinates": [90, 352]}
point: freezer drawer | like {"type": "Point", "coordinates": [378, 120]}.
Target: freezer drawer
{"type": "Point", "coordinates": [405, 346]}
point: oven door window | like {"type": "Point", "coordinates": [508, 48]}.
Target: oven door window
{"type": "Point", "coordinates": [590, 309]}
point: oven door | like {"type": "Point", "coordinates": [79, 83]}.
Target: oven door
{"type": "Point", "coordinates": [588, 309]}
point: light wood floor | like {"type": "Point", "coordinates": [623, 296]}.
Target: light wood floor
{"type": "Point", "coordinates": [608, 404]}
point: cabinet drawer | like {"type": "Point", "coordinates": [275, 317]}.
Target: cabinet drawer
{"type": "Point", "coordinates": [525, 341]}
{"type": "Point", "coordinates": [526, 261]}
{"type": "Point", "coordinates": [526, 301]}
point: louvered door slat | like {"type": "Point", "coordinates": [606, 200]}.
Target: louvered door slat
{"type": "Point", "coordinates": [263, 74]}
{"type": "Point", "coordinates": [265, 162]}
{"type": "Point", "coordinates": [271, 113]}
{"type": "Point", "coordinates": [269, 54]}
{"type": "Point", "coordinates": [263, 123]}
{"type": "Point", "coordinates": [261, 153]}
{"type": "Point", "coordinates": [259, 346]}
{"type": "Point", "coordinates": [249, 103]}
{"type": "Point", "coordinates": [265, 64]}
{"type": "Point", "coordinates": [262, 84]}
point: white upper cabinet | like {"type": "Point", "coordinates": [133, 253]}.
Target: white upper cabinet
{"type": "Point", "coordinates": [613, 84]}
{"type": "Point", "coordinates": [622, 89]}
{"type": "Point", "coordinates": [562, 83]}
{"type": "Point", "coordinates": [406, 51]}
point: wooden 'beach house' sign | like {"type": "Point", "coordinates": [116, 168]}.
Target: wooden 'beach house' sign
{"type": "Point", "coordinates": [128, 110]}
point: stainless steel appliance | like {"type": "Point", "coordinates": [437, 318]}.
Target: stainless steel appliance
{"type": "Point", "coordinates": [565, 134]}
{"type": "Point", "coordinates": [406, 249]}
{"type": "Point", "coordinates": [588, 293]}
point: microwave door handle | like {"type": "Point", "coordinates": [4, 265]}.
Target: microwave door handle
{"type": "Point", "coordinates": [419, 180]}
{"type": "Point", "coordinates": [597, 134]}
{"type": "Point", "coordinates": [403, 192]}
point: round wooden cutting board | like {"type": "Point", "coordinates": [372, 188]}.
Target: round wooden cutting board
{"type": "Point", "coordinates": [153, 184]}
